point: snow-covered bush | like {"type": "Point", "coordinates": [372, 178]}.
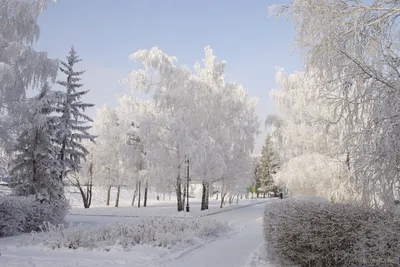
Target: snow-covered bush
{"type": "Point", "coordinates": [155, 231]}
{"type": "Point", "coordinates": [311, 232]}
{"type": "Point", "coordinates": [25, 214]}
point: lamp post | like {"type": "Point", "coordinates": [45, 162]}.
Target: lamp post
{"type": "Point", "coordinates": [187, 189]}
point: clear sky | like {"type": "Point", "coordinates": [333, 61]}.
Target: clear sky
{"type": "Point", "coordinates": [106, 32]}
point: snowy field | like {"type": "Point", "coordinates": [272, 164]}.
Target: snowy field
{"type": "Point", "coordinates": [154, 207]}
{"type": "Point", "coordinates": [240, 246]}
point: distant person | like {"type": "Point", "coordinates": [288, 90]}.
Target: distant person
{"type": "Point", "coordinates": [158, 197]}
{"type": "Point", "coordinates": [281, 195]}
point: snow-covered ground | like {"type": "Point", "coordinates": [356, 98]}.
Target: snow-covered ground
{"type": "Point", "coordinates": [240, 247]}
{"type": "Point", "coordinates": [164, 209]}
{"type": "Point", "coordinates": [154, 207]}
{"type": "Point", "coordinates": [234, 250]}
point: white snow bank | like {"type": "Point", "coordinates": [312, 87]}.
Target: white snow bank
{"type": "Point", "coordinates": [161, 232]}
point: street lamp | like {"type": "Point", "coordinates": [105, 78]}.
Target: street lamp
{"type": "Point", "coordinates": [187, 189]}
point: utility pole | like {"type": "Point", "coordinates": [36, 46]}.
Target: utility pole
{"type": "Point", "coordinates": [187, 189]}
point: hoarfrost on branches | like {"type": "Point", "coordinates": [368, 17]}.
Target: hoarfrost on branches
{"type": "Point", "coordinates": [195, 115]}
{"type": "Point", "coordinates": [21, 67]}
{"type": "Point", "coordinates": [351, 53]}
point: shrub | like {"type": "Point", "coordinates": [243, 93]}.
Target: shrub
{"type": "Point", "coordinates": [317, 233]}
{"type": "Point", "coordinates": [25, 214]}
{"type": "Point", "coordinates": [156, 231]}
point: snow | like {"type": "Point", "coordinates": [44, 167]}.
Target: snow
{"type": "Point", "coordinates": [260, 258]}
{"type": "Point", "coordinates": [233, 250]}
{"type": "Point", "coordinates": [163, 209]}
{"type": "Point", "coordinates": [154, 207]}
{"type": "Point", "coordinates": [236, 248]}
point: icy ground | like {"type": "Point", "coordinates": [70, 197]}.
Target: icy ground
{"type": "Point", "coordinates": [241, 247]}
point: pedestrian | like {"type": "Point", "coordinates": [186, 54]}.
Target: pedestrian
{"type": "Point", "coordinates": [158, 197]}
{"type": "Point", "coordinates": [281, 195]}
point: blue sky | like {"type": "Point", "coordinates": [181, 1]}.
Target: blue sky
{"type": "Point", "coordinates": [106, 32]}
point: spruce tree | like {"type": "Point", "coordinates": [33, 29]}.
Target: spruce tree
{"type": "Point", "coordinates": [36, 168]}
{"type": "Point", "coordinates": [73, 127]}
{"type": "Point", "coordinates": [268, 165]}
{"type": "Point", "coordinates": [256, 176]}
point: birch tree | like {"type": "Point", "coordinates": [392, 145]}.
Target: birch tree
{"type": "Point", "coordinates": [196, 115]}
{"type": "Point", "coordinates": [301, 133]}
{"type": "Point", "coordinates": [351, 47]}
{"type": "Point", "coordinates": [171, 94]}
{"type": "Point", "coordinates": [105, 127]}
{"type": "Point", "coordinates": [21, 67]}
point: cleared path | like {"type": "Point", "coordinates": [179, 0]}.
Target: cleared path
{"type": "Point", "coordinates": [234, 250]}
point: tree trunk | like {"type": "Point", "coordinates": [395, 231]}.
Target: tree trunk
{"type": "Point", "coordinates": [117, 199]}
{"type": "Point", "coordinates": [203, 196]}
{"type": "Point", "coordinates": [207, 193]}
{"type": "Point", "coordinates": [163, 196]}
{"type": "Point", "coordinates": [139, 187]}
{"type": "Point", "coordinates": [89, 187]}
{"type": "Point", "coordinates": [223, 195]}
{"type": "Point", "coordinates": [62, 155]}
{"type": "Point", "coordinates": [145, 193]}
{"type": "Point", "coordinates": [237, 199]}
{"type": "Point", "coordinates": [83, 195]}
{"type": "Point", "coordinates": [86, 197]}
{"type": "Point", "coordinates": [216, 197]}
{"type": "Point", "coordinates": [184, 197]}
{"type": "Point", "coordinates": [179, 192]}
{"type": "Point", "coordinates": [108, 195]}
{"type": "Point", "coordinates": [134, 194]}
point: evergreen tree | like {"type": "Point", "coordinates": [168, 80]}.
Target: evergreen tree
{"type": "Point", "coordinates": [256, 175]}
{"type": "Point", "coordinates": [73, 127]}
{"type": "Point", "coordinates": [268, 165]}
{"type": "Point", "coordinates": [36, 168]}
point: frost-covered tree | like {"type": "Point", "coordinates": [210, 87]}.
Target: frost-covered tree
{"type": "Point", "coordinates": [37, 169]}
{"type": "Point", "coordinates": [21, 67]}
{"type": "Point", "coordinates": [169, 131]}
{"type": "Point", "coordinates": [195, 115]}
{"type": "Point", "coordinates": [351, 52]}
{"type": "Point", "coordinates": [227, 119]}
{"type": "Point", "coordinates": [105, 124]}
{"type": "Point", "coordinates": [300, 133]}
{"type": "Point", "coordinates": [129, 112]}
{"type": "Point", "coordinates": [73, 126]}
{"type": "Point", "coordinates": [237, 178]}
{"type": "Point", "coordinates": [119, 149]}
{"type": "Point", "coordinates": [268, 165]}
